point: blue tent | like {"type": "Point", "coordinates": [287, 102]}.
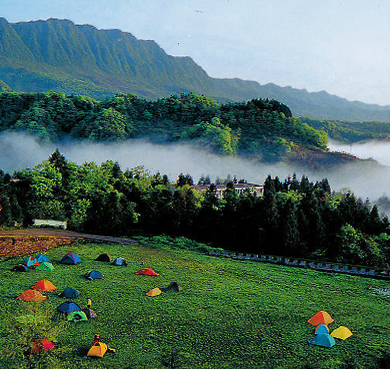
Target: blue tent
{"type": "Point", "coordinates": [70, 258]}
{"type": "Point", "coordinates": [30, 261]}
{"type": "Point", "coordinates": [68, 307]}
{"type": "Point", "coordinates": [69, 293]}
{"type": "Point", "coordinates": [119, 262]}
{"type": "Point", "coordinates": [42, 258]}
{"type": "Point", "coordinates": [323, 339]}
{"type": "Point", "coordinates": [322, 328]}
{"type": "Point", "coordinates": [94, 274]}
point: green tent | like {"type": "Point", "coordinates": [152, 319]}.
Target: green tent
{"type": "Point", "coordinates": [45, 266]}
{"type": "Point", "coordinates": [77, 316]}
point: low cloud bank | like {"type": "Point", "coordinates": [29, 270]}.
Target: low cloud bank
{"type": "Point", "coordinates": [366, 179]}
{"type": "Point", "coordinates": [375, 149]}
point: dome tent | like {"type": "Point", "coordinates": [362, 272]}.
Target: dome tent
{"type": "Point", "coordinates": [45, 266]}
{"type": "Point", "coordinates": [322, 317]}
{"type": "Point", "coordinates": [323, 339]}
{"type": "Point", "coordinates": [44, 285]}
{"type": "Point", "coordinates": [31, 295]}
{"type": "Point", "coordinates": [119, 262]}
{"type": "Point", "coordinates": [71, 259]}
{"type": "Point", "coordinates": [69, 293]}
{"type": "Point", "coordinates": [147, 271]}
{"type": "Point", "coordinates": [322, 328]}
{"type": "Point", "coordinates": [154, 292]}
{"type": "Point", "coordinates": [68, 307]}
{"type": "Point", "coordinates": [42, 258]}
{"type": "Point", "coordinates": [103, 257]}
{"type": "Point", "coordinates": [19, 268]}
{"type": "Point", "coordinates": [341, 332]}
{"type": "Point", "coordinates": [172, 287]}
{"type": "Point", "coordinates": [94, 274]}
{"type": "Point", "coordinates": [77, 316]}
{"type": "Point", "coordinates": [30, 261]}
{"type": "Point", "coordinates": [98, 349]}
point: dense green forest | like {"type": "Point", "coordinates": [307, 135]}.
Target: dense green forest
{"type": "Point", "coordinates": [293, 218]}
{"type": "Point", "coordinates": [350, 132]}
{"type": "Point", "coordinates": [263, 128]}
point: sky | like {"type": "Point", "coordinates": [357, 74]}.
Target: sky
{"type": "Point", "coordinates": [340, 46]}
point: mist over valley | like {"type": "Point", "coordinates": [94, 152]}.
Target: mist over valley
{"type": "Point", "coordinates": [364, 178]}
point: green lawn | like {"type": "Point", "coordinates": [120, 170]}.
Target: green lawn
{"type": "Point", "coordinates": [229, 314]}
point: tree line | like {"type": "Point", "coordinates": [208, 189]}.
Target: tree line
{"type": "Point", "coordinates": [261, 127]}
{"type": "Point", "coordinates": [295, 217]}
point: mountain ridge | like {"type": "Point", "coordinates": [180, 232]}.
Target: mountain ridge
{"type": "Point", "coordinates": [58, 55]}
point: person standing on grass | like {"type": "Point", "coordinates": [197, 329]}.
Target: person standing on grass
{"type": "Point", "coordinates": [89, 303]}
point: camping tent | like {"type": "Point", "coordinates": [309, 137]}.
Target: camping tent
{"type": "Point", "coordinates": [119, 262]}
{"type": "Point", "coordinates": [31, 295]}
{"type": "Point", "coordinates": [147, 271]}
{"type": "Point", "coordinates": [98, 349]}
{"type": "Point", "coordinates": [322, 317]}
{"type": "Point", "coordinates": [69, 293]}
{"type": "Point", "coordinates": [46, 266]}
{"type": "Point", "coordinates": [41, 345]}
{"type": "Point", "coordinates": [90, 313]}
{"type": "Point", "coordinates": [94, 274]}
{"type": "Point", "coordinates": [44, 285]}
{"type": "Point", "coordinates": [172, 287]}
{"type": "Point", "coordinates": [20, 268]}
{"type": "Point", "coordinates": [30, 261]}
{"type": "Point", "coordinates": [77, 316]}
{"type": "Point", "coordinates": [103, 257]}
{"type": "Point", "coordinates": [323, 339]}
{"type": "Point", "coordinates": [70, 258]}
{"type": "Point", "coordinates": [322, 328]}
{"type": "Point", "coordinates": [154, 292]}
{"type": "Point", "coordinates": [42, 258]}
{"type": "Point", "coordinates": [341, 332]}
{"type": "Point", "coordinates": [68, 307]}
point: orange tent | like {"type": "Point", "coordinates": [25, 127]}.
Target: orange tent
{"type": "Point", "coordinates": [44, 285]}
{"type": "Point", "coordinates": [31, 295]}
{"type": "Point", "coordinates": [154, 292]}
{"type": "Point", "coordinates": [322, 317]}
{"type": "Point", "coordinates": [147, 271]}
{"type": "Point", "coordinates": [41, 345]}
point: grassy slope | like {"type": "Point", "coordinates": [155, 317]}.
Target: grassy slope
{"type": "Point", "coordinates": [230, 313]}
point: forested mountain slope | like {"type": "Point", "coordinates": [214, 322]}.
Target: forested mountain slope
{"type": "Point", "coordinates": [265, 130]}
{"type": "Point", "coordinates": [61, 56]}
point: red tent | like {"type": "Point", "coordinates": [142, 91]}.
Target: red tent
{"type": "Point", "coordinates": [147, 271]}
{"type": "Point", "coordinates": [31, 295]}
{"type": "Point", "coordinates": [41, 345]}
{"type": "Point", "coordinates": [322, 317]}
{"type": "Point", "coordinates": [44, 285]}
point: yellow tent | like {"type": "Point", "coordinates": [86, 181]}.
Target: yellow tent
{"type": "Point", "coordinates": [98, 349]}
{"type": "Point", "coordinates": [341, 332]}
{"type": "Point", "coordinates": [154, 292]}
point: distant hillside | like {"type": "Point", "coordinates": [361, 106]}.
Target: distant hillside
{"type": "Point", "coordinates": [80, 59]}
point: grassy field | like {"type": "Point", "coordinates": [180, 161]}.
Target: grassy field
{"type": "Point", "coordinates": [229, 314]}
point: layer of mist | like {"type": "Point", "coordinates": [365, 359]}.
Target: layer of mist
{"type": "Point", "coordinates": [365, 179]}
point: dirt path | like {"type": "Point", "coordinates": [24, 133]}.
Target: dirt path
{"type": "Point", "coordinates": [64, 233]}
